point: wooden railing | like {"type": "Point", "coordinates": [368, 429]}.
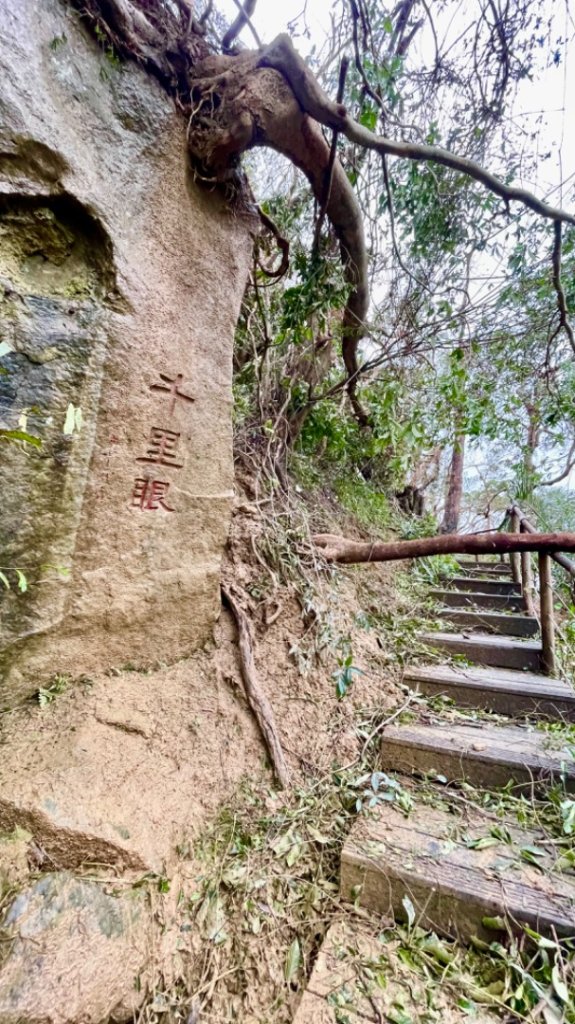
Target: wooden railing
{"type": "Point", "coordinates": [518, 544]}
{"type": "Point", "coordinates": [522, 572]}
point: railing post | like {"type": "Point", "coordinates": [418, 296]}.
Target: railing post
{"type": "Point", "coordinates": [547, 626]}
{"type": "Point", "coordinates": [527, 581]}
{"type": "Point", "coordinates": [514, 556]}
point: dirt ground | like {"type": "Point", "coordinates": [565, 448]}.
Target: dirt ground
{"type": "Point", "coordinates": [117, 768]}
{"type": "Point", "coordinates": [131, 770]}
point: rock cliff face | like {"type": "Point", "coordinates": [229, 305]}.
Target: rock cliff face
{"type": "Point", "coordinates": [120, 285]}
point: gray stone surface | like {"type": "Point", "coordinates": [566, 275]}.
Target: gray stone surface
{"type": "Point", "coordinates": [74, 953]}
{"type": "Point", "coordinates": [120, 281]}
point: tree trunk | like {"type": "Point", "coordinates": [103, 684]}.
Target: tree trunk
{"type": "Point", "coordinates": [451, 515]}
{"type": "Point", "coordinates": [527, 483]}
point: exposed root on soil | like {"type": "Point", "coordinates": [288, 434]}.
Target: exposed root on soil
{"type": "Point", "coordinates": [257, 699]}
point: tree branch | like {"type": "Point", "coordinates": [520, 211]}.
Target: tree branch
{"type": "Point", "coordinates": [243, 18]}
{"type": "Point", "coordinates": [282, 55]}
{"type": "Point", "coordinates": [283, 245]}
{"type": "Point", "coordinates": [331, 163]}
{"type": "Point", "coordinates": [569, 466]}
{"type": "Point", "coordinates": [558, 285]}
{"type": "Point", "coordinates": [340, 549]}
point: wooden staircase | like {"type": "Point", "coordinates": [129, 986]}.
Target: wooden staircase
{"type": "Point", "coordinates": [464, 872]}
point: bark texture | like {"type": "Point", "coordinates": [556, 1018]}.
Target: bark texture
{"type": "Point", "coordinates": [339, 549]}
{"type": "Point", "coordinates": [454, 495]}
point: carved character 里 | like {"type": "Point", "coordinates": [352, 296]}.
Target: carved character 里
{"type": "Point", "coordinates": [162, 448]}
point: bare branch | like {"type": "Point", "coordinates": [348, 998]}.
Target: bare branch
{"type": "Point", "coordinates": [283, 245]}
{"type": "Point", "coordinates": [332, 156]}
{"type": "Point", "coordinates": [558, 285]}
{"type": "Point", "coordinates": [282, 55]}
{"type": "Point", "coordinates": [243, 18]}
{"type": "Point", "coordinates": [568, 467]}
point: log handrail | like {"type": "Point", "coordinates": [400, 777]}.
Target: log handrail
{"type": "Point", "coordinates": [528, 527]}
{"type": "Point", "coordinates": [521, 524]}
{"type": "Point", "coordinates": [340, 549]}
{"type": "Point", "coordinates": [522, 540]}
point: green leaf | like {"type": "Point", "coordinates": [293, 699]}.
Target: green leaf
{"type": "Point", "coordinates": [70, 421]}
{"type": "Point", "coordinates": [22, 581]}
{"type": "Point", "coordinates": [559, 985]}
{"type": "Point", "coordinates": [532, 855]}
{"type": "Point", "coordinates": [4, 579]}
{"type": "Point", "coordinates": [438, 949]}
{"type": "Point", "coordinates": [293, 960]}
{"type": "Point", "coordinates": [496, 924]}
{"type": "Point", "coordinates": [482, 844]}
{"type": "Point", "coordinates": [21, 435]}
{"type": "Point", "coordinates": [409, 910]}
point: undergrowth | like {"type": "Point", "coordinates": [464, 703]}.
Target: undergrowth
{"type": "Point", "coordinates": [263, 892]}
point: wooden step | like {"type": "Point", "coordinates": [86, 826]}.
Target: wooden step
{"type": "Point", "coordinates": [460, 599]}
{"type": "Point", "coordinates": [429, 858]}
{"type": "Point", "coordinates": [499, 690]}
{"type": "Point", "coordinates": [492, 622]}
{"type": "Point", "coordinates": [359, 976]}
{"type": "Point", "coordinates": [488, 650]}
{"type": "Point", "coordinates": [487, 756]}
{"type": "Point", "coordinates": [471, 562]}
{"type": "Point", "coordinates": [484, 586]}
{"type": "Point", "coordinates": [487, 570]}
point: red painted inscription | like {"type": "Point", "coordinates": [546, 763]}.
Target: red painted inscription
{"type": "Point", "coordinates": [162, 448]}
{"type": "Point", "coordinates": [150, 495]}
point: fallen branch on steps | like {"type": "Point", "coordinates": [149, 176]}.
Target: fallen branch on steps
{"type": "Point", "coordinates": [340, 549]}
{"type": "Point", "coordinates": [257, 699]}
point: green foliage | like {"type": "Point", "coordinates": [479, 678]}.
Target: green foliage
{"type": "Point", "coordinates": [344, 676]}
{"type": "Point", "coordinates": [48, 694]}
{"type": "Point", "coordinates": [319, 291]}
{"type": "Point", "coordinates": [20, 435]}
{"type": "Point", "coordinates": [435, 571]}
{"type": "Point", "coordinates": [58, 41]}
{"type": "Point", "coordinates": [367, 504]}
{"type": "Point", "coordinates": [21, 578]}
{"type": "Point", "coordinates": [111, 55]}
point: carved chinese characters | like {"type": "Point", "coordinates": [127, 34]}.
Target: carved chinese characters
{"type": "Point", "coordinates": [120, 284]}
{"type": "Point", "coordinates": [149, 494]}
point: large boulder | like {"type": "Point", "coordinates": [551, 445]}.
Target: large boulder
{"type": "Point", "coordinates": [120, 285]}
{"type": "Point", "coordinates": [75, 953]}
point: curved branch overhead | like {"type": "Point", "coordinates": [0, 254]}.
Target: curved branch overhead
{"type": "Point", "coordinates": [270, 97]}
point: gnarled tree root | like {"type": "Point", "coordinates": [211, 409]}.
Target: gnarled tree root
{"type": "Point", "coordinates": [257, 699]}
